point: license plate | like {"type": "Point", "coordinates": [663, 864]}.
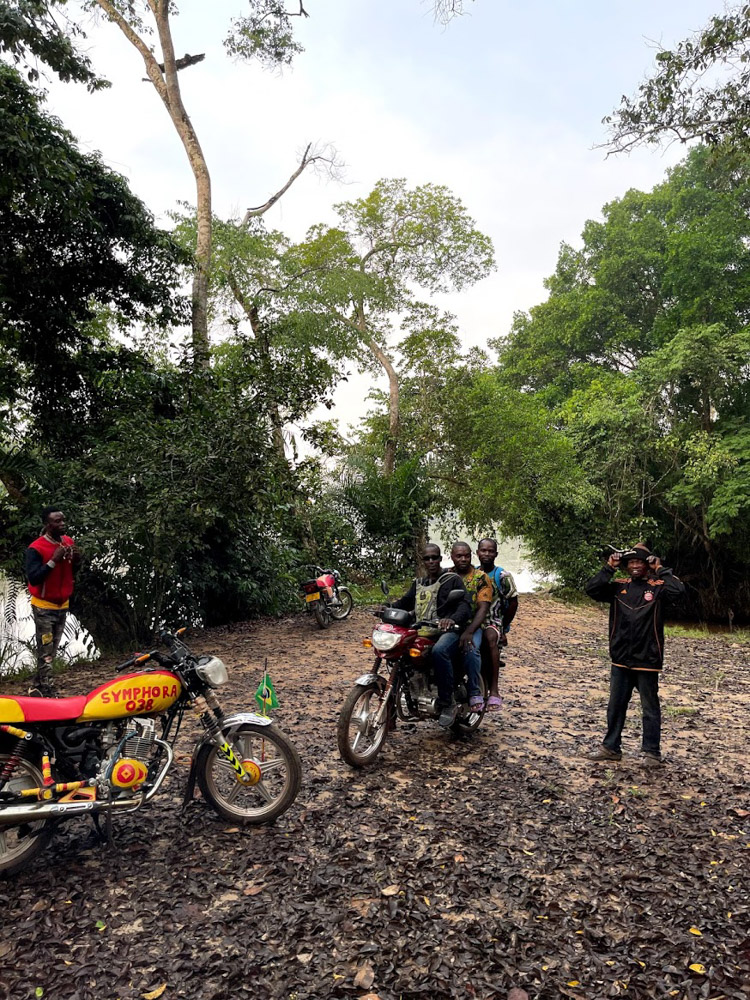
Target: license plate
{"type": "Point", "coordinates": [312, 597]}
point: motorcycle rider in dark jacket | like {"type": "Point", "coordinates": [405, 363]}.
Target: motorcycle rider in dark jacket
{"type": "Point", "coordinates": [636, 643]}
{"type": "Point", "coordinates": [429, 598]}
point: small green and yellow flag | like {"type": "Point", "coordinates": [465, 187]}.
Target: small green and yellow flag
{"type": "Point", "coordinates": [266, 694]}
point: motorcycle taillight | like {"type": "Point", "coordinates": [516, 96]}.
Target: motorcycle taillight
{"type": "Point", "coordinates": [310, 586]}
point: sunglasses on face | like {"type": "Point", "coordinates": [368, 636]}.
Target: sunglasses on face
{"type": "Point", "coordinates": [430, 558]}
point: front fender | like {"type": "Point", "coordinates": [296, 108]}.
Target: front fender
{"type": "Point", "coordinates": [238, 719]}
{"type": "Point", "coordinates": [366, 679]}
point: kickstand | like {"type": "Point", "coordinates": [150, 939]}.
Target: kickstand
{"type": "Point", "coordinates": [105, 836]}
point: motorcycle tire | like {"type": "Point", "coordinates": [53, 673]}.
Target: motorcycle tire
{"type": "Point", "coordinates": [356, 713]}
{"type": "Point", "coordinates": [272, 795]}
{"type": "Point", "coordinates": [321, 614]}
{"type": "Point", "coordinates": [19, 845]}
{"type": "Point", "coordinates": [345, 608]}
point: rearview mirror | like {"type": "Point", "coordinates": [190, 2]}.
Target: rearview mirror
{"type": "Point", "coordinates": [385, 588]}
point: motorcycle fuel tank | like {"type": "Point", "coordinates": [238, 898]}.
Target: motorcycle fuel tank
{"type": "Point", "coordinates": [147, 693]}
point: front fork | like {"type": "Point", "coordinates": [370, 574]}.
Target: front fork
{"type": "Point", "coordinates": [388, 691]}
{"type": "Point", "coordinates": [209, 711]}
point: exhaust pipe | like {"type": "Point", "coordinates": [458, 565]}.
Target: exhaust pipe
{"type": "Point", "coordinates": [38, 812]}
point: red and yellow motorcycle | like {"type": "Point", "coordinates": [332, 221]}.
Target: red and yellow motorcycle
{"type": "Point", "coordinates": [109, 751]}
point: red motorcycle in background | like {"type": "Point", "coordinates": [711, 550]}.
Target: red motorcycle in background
{"type": "Point", "coordinates": [407, 688]}
{"type": "Point", "coordinates": [325, 599]}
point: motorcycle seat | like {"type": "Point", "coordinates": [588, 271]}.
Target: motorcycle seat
{"type": "Point", "coordinates": [42, 709]}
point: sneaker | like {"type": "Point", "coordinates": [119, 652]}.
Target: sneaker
{"type": "Point", "coordinates": [604, 753]}
{"type": "Point", "coordinates": [651, 759]}
{"type": "Point", "coordinates": [448, 715]}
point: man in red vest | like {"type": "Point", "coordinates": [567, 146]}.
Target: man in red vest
{"type": "Point", "coordinates": [49, 565]}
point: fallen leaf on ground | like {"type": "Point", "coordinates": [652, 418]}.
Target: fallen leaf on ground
{"type": "Point", "coordinates": [154, 994]}
{"type": "Point", "coordinates": [365, 977]}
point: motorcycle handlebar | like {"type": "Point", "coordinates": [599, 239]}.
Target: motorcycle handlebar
{"type": "Point", "coordinates": [135, 658]}
{"type": "Point", "coordinates": [431, 622]}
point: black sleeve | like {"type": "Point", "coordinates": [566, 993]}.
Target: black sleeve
{"type": "Point", "coordinates": [407, 602]}
{"type": "Point", "coordinates": [601, 587]}
{"type": "Point", "coordinates": [459, 611]}
{"type": "Point", "coordinates": [674, 588]}
{"type": "Point", "coordinates": [36, 570]}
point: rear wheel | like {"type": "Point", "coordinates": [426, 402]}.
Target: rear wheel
{"type": "Point", "coordinates": [269, 756]}
{"type": "Point", "coordinates": [321, 614]}
{"type": "Point", "coordinates": [360, 736]}
{"type": "Point", "coordinates": [343, 610]}
{"type": "Point", "coordinates": [19, 845]}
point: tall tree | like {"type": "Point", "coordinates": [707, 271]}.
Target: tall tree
{"type": "Point", "coordinates": [390, 245]}
{"type": "Point", "coordinates": [265, 34]}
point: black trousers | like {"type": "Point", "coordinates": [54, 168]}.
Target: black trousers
{"type": "Point", "coordinates": [621, 684]}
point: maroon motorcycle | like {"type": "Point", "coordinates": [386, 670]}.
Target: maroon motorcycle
{"type": "Point", "coordinates": [405, 689]}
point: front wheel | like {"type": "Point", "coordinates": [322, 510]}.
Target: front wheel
{"type": "Point", "coordinates": [19, 845]}
{"type": "Point", "coordinates": [344, 609]}
{"type": "Point", "coordinates": [360, 736]}
{"type": "Point", "coordinates": [268, 755]}
{"type": "Point", "coordinates": [321, 614]}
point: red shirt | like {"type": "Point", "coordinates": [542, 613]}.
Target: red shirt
{"type": "Point", "coordinates": [57, 586]}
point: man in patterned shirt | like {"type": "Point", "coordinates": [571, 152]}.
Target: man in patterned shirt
{"type": "Point", "coordinates": [497, 624]}
{"type": "Point", "coordinates": [480, 595]}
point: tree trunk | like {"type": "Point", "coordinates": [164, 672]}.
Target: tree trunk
{"type": "Point", "coordinates": [251, 312]}
{"type": "Point", "coordinates": [168, 88]}
{"type": "Point", "coordinates": [394, 422]}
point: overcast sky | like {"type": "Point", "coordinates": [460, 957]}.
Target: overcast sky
{"type": "Point", "coordinates": [504, 106]}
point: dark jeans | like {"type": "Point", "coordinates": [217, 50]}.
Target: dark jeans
{"type": "Point", "coordinates": [473, 664]}
{"type": "Point", "coordinates": [621, 685]}
{"type": "Point", "coordinates": [442, 666]}
{"type": "Point", "coordinates": [50, 624]}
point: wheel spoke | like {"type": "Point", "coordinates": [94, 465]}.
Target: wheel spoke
{"type": "Point", "coordinates": [272, 766]}
{"type": "Point", "coordinates": [264, 791]}
{"type": "Point", "coordinates": [233, 792]}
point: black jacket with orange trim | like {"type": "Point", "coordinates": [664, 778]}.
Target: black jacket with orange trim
{"type": "Point", "coordinates": [636, 615]}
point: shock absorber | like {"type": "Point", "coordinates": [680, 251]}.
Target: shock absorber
{"type": "Point", "coordinates": [14, 757]}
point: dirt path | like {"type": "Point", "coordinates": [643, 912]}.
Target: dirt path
{"type": "Point", "coordinates": [450, 869]}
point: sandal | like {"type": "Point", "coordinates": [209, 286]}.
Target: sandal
{"type": "Point", "coordinates": [476, 703]}
{"type": "Point", "coordinates": [494, 703]}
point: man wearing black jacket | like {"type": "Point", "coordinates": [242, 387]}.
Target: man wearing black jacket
{"type": "Point", "coordinates": [636, 643]}
{"type": "Point", "coordinates": [429, 598]}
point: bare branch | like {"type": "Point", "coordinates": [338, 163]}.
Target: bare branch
{"type": "Point", "coordinates": [318, 157]}
{"type": "Point", "coordinates": [445, 10]}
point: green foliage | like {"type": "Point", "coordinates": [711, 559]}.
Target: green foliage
{"type": "Point", "coordinates": [698, 91]}
{"type": "Point", "coordinates": [638, 363]}
{"type": "Point", "coordinates": [75, 240]}
{"type": "Point", "coordinates": [265, 34]}
{"type": "Point", "coordinates": [30, 32]}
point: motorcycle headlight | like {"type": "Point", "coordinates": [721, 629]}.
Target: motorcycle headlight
{"type": "Point", "coordinates": [212, 670]}
{"type": "Point", "coordinates": [384, 640]}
